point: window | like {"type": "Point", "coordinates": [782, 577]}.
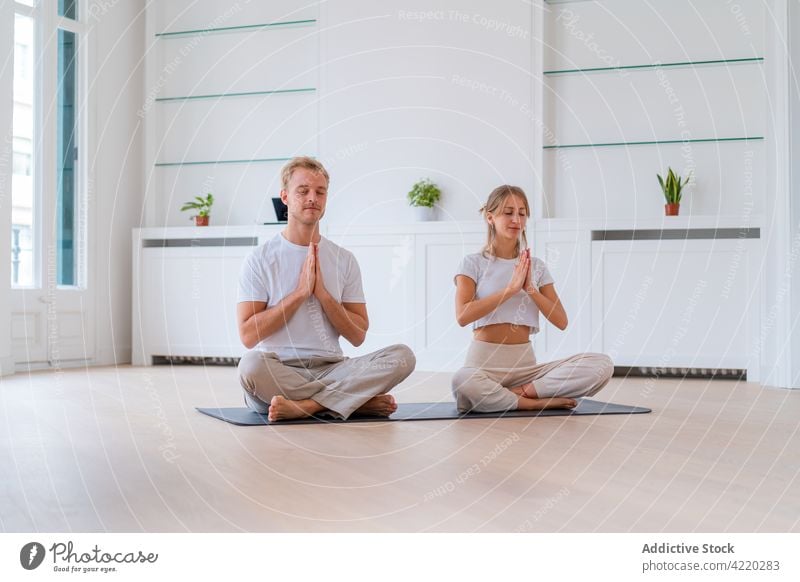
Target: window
{"type": "Point", "coordinates": [47, 133]}
{"type": "Point", "coordinates": [68, 8]}
{"type": "Point", "coordinates": [67, 152]}
{"type": "Point", "coordinates": [21, 61]}
{"type": "Point", "coordinates": [22, 186]}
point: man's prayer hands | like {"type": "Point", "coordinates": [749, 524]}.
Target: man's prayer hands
{"type": "Point", "coordinates": [308, 273]}
{"type": "Point", "coordinates": [311, 282]}
{"type": "Point", "coordinates": [319, 288]}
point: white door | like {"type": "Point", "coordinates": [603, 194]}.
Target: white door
{"type": "Point", "coordinates": [52, 302]}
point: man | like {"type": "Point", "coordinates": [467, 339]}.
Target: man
{"type": "Point", "coordinates": [299, 292]}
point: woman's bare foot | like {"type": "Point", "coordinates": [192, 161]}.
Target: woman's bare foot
{"type": "Point", "coordinates": [526, 403]}
{"type": "Point", "coordinates": [282, 409]}
{"type": "Point", "coordinates": [382, 405]}
{"type": "Point", "coordinates": [527, 390]}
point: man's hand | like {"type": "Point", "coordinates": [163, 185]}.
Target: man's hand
{"type": "Point", "coordinates": [320, 291]}
{"type": "Point", "coordinates": [308, 274]}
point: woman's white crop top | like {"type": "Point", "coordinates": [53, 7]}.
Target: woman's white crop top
{"type": "Point", "coordinates": [491, 275]}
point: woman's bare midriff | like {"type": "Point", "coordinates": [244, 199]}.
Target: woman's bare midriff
{"type": "Point", "coordinates": [503, 333]}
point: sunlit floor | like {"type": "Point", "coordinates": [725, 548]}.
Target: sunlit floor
{"type": "Point", "coordinates": [123, 449]}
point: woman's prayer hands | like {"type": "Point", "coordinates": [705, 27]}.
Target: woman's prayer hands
{"type": "Point", "coordinates": [520, 279]}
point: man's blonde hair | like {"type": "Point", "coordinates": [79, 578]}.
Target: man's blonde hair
{"type": "Point", "coordinates": [305, 162]}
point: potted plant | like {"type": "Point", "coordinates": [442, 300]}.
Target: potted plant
{"type": "Point", "coordinates": [423, 196]}
{"type": "Point", "coordinates": [203, 207]}
{"type": "Point", "coordinates": [672, 188]}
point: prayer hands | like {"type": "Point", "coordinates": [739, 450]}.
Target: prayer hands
{"type": "Point", "coordinates": [319, 289]}
{"type": "Point", "coordinates": [521, 278]}
{"type": "Point", "coordinates": [308, 274]}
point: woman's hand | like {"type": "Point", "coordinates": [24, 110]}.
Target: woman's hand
{"type": "Point", "coordinates": [521, 277]}
{"type": "Point", "coordinates": [530, 286]}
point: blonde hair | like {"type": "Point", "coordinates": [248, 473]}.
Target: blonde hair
{"type": "Point", "coordinates": [304, 162]}
{"type": "Point", "coordinates": [496, 199]}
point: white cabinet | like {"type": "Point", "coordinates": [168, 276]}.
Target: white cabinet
{"type": "Point", "coordinates": [387, 275]}
{"type": "Point", "coordinates": [566, 253]}
{"type": "Point", "coordinates": [677, 303]}
{"type": "Point", "coordinates": [408, 272]}
{"type": "Point", "coordinates": [185, 286]}
{"type": "Point", "coordinates": [693, 302]}
{"type": "Point", "coordinates": [440, 343]}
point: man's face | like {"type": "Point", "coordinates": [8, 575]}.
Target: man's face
{"type": "Point", "coordinates": [305, 196]}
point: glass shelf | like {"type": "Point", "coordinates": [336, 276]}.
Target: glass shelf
{"type": "Point", "coordinates": [657, 66]}
{"type": "Point", "coordinates": [243, 94]}
{"type": "Point", "coordinates": [267, 25]}
{"type": "Point", "coordinates": [217, 162]}
{"type": "Point", "coordinates": [656, 142]}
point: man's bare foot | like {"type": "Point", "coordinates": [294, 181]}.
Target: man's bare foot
{"type": "Point", "coordinates": [282, 409]}
{"type": "Point", "coordinates": [382, 405]}
{"type": "Point", "coordinates": [527, 390]}
{"type": "Point", "coordinates": [543, 403]}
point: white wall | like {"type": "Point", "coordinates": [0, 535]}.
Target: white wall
{"type": "Point", "coordinates": [655, 104]}
{"type": "Point", "coordinates": [230, 128]}
{"type": "Point", "coordinates": [442, 90]}
{"type": "Point", "coordinates": [438, 89]}
{"type": "Point", "coordinates": [453, 91]}
{"type": "Point", "coordinates": [6, 110]}
{"type": "Point", "coordinates": [790, 243]}
{"type": "Point", "coordinates": [117, 162]}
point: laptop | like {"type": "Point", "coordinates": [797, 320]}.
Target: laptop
{"type": "Point", "coordinates": [281, 210]}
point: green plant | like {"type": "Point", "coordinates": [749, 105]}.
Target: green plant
{"type": "Point", "coordinates": [672, 186]}
{"type": "Point", "coordinates": [202, 205]}
{"type": "Point", "coordinates": [424, 193]}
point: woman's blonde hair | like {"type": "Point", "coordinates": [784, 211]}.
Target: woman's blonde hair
{"type": "Point", "coordinates": [496, 200]}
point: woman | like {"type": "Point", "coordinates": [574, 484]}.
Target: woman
{"type": "Point", "coordinates": [501, 292]}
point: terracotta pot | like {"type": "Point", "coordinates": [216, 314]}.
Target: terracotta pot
{"type": "Point", "coordinates": [671, 209]}
{"type": "Point", "coordinates": [201, 220]}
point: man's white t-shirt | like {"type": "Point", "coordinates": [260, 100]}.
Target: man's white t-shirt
{"type": "Point", "coordinates": [272, 271]}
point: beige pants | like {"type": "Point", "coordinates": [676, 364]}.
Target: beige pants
{"type": "Point", "coordinates": [339, 384]}
{"type": "Point", "coordinates": [482, 385]}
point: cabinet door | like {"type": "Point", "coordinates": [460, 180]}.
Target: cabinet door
{"type": "Point", "coordinates": [441, 343]}
{"type": "Point", "coordinates": [676, 303]}
{"type": "Point", "coordinates": [188, 303]}
{"type": "Point", "coordinates": [386, 264]}
{"type": "Point", "coordinates": [566, 254]}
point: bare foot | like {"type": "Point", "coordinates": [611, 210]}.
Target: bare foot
{"type": "Point", "coordinates": [527, 390]}
{"type": "Point", "coordinates": [282, 409]}
{"type": "Point", "coordinates": [382, 405]}
{"type": "Point", "coordinates": [543, 403]}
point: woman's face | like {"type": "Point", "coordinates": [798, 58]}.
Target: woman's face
{"type": "Point", "coordinates": [509, 218]}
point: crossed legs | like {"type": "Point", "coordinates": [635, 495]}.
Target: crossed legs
{"type": "Point", "coordinates": [338, 386]}
{"type": "Point", "coordinates": [530, 386]}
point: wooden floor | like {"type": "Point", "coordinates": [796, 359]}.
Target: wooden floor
{"type": "Point", "coordinates": [122, 449]}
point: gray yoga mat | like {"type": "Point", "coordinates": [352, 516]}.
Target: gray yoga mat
{"type": "Point", "coordinates": [424, 411]}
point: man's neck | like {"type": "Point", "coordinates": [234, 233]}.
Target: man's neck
{"type": "Point", "coordinates": [301, 234]}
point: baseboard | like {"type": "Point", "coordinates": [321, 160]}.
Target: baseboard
{"type": "Point", "coordinates": [6, 366]}
{"type": "Point", "coordinates": [113, 356]}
